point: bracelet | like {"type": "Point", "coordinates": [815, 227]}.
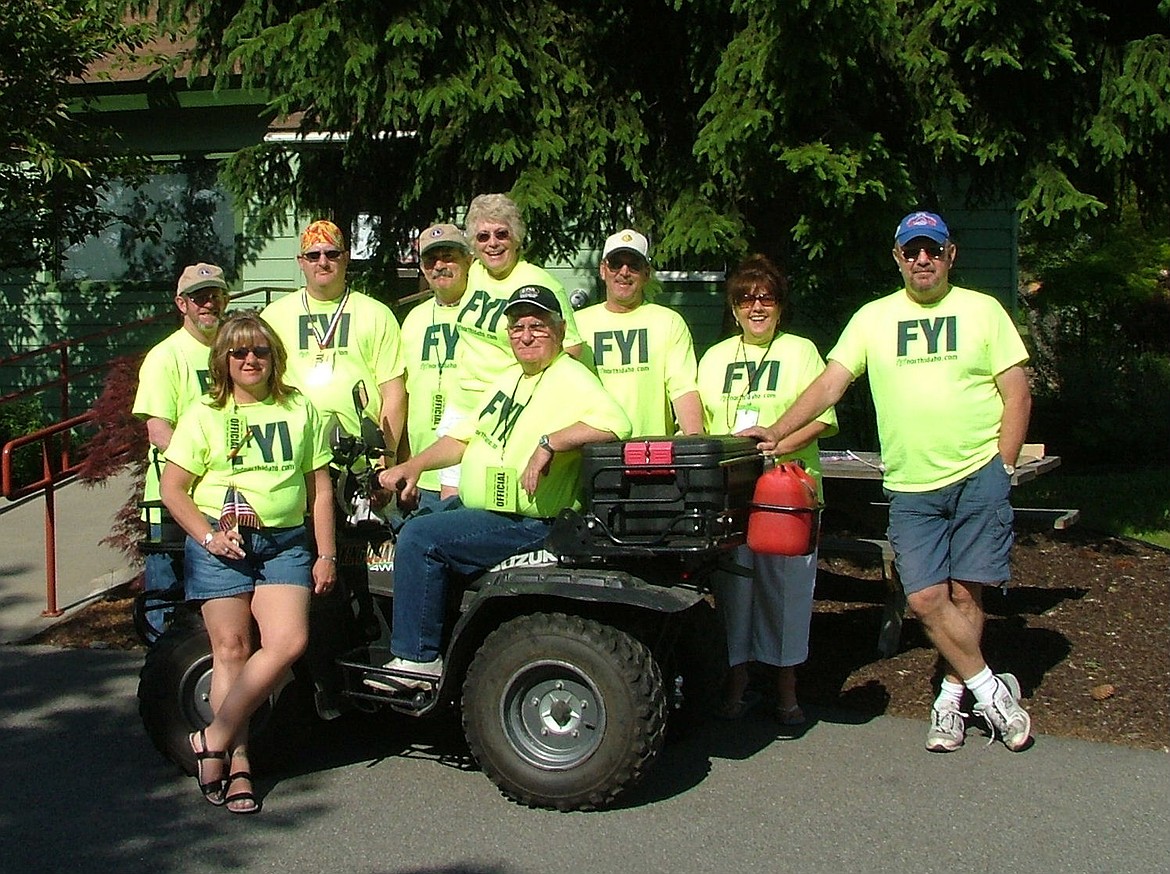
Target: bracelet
{"type": "Point", "coordinates": [332, 558]}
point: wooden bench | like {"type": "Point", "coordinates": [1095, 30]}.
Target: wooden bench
{"type": "Point", "coordinates": [890, 633]}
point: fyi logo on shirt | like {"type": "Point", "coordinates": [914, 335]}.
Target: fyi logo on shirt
{"type": "Point", "coordinates": [743, 377]}
{"type": "Point", "coordinates": [621, 349]}
{"type": "Point", "coordinates": [482, 313]}
{"type": "Point", "coordinates": [921, 341]}
{"type": "Point", "coordinates": [438, 343]}
{"type": "Point", "coordinates": [272, 441]}
{"type": "Point", "coordinates": [307, 337]}
{"type": "Point", "coordinates": [502, 412]}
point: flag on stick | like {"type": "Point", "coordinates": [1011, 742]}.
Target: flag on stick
{"type": "Point", "coordinates": [237, 512]}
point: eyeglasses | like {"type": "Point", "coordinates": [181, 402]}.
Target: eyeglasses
{"type": "Point", "coordinates": [441, 253]}
{"type": "Point", "coordinates": [241, 352]}
{"type": "Point", "coordinates": [501, 234]}
{"type": "Point", "coordinates": [747, 301]}
{"type": "Point", "coordinates": [635, 262]}
{"type": "Point", "coordinates": [204, 296]}
{"type": "Point", "coordinates": [315, 256]}
{"type": "Point", "coordinates": [933, 251]}
{"type": "Point", "coordinates": [537, 330]}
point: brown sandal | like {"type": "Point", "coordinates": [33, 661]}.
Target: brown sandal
{"type": "Point", "coordinates": [213, 790]}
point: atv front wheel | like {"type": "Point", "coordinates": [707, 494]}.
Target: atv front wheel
{"type": "Point", "coordinates": [563, 712]}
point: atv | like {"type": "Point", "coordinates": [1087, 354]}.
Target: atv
{"type": "Point", "coordinates": [566, 664]}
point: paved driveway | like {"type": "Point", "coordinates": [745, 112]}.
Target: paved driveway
{"type": "Point", "coordinates": [83, 791]}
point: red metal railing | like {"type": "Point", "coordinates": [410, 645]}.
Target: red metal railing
{"type": "Point", "coordinates": [52, 475]}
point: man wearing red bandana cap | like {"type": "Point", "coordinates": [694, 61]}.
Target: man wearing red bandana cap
{"type": "Point", "coordinates": [337, 337]}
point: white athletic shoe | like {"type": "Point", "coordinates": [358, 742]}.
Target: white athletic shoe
{"type": "Point", "coordinates": [946, 728]}
{"type": "Point", "coordinates": [432, 670]}
{"type": "Point", "coordinates": [1004, 715]}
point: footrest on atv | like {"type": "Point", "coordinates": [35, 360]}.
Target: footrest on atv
{"type": "Point", "coordinates": [363, 664]}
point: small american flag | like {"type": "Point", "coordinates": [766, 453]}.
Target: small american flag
{"type": "Point", "coordinates": [237, 512]}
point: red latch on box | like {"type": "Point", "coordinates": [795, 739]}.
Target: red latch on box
{"type": "Point", "coordinates": [646, 457]}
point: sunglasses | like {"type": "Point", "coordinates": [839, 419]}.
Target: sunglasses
{"type": "Point", "coordinates": [636, 263]}
{"type": "Point", "coordinates": [241, 352]}
{"type": "Point", "coordinates": [747, 301]}
{"type": "Point", "coordinates": [503, 235]}
{"type": "Point", "coordinates": [933, 251]}
{"type": "Point", "coordinates": [538, 330]}
{"type": "Point", "coordinates": [314, 257]}
{"type": "Point", "coordinates": [203, 296]}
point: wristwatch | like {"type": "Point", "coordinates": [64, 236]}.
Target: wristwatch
{"type": "Point", "coordinates": [544, 442]}
{"type": "Point", "coordinates": [1009, 469]}
{"type": "Point", "coordinates": [207, 538]}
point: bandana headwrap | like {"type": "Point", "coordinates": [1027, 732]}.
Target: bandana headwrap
{"type": "Point", "coordinates": [322, 231]}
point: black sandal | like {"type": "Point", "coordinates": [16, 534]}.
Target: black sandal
{"type": "Point", "coordinates": [246, 795]}
{"type": "Point", "coordinates": [213, 790]}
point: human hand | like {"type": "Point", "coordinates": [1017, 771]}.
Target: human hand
{"type": "Point", "coordinates": [324, 575]}
{"type": "Point", "coordinates": [538, 465]}
{"type": "Point", "coordinates": [765, 440]}
{"type": "Point", "coordinates": [226, 544]}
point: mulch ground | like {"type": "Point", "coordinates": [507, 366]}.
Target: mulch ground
{"type": "Point", "coordinates": [1085, 627]}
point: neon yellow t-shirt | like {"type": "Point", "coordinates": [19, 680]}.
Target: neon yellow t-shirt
{"type": "Point", "coordinates": [366, 346]}
{"type": "Point", "coordinates": [932, 372]}
{"type": "Point", "coordinates": [741, 384]}
{"type": "Point", "coordinates": [483, 352]}
{"type": "Point", "coordinates": [429, 341]}
{"type": "Point", "coordinates": [517, 410]}
{"type": "Point", "coordinates": [284, 442]}
{"type": "Point", "coordinates": [173, 376]}
{"type": "Point", "coordinates": [645, 358]}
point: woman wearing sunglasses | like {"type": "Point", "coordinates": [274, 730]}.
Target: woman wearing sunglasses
{"type": "Point", "coordinates": [244, 467]}
{"type": "Point", "coordinates": [766, 600]}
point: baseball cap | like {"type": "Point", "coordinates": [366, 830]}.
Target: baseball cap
{"type": "Point", "coordinates": [537, 296]}
{"type": "Point", "coordinates": [442, 235]}
{"type": "Point", "coordinates": [626, 240]}
{"type": "Point", "coordinates": [197, 276]}
{"type": "Point", "coordinates": [322, 231]}
{"type": "Point", "coordinates": [921, 224]}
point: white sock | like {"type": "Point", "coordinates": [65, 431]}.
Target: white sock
{"type": "Point", "coordinates": [950, 695]}
{"type": "Point", "coordinates": [982, 685]}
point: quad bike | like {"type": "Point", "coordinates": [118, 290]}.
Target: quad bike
{"type": "Point", "coordinates": [566, 664]}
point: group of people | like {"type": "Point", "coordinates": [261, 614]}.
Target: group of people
{"type": "Point", "coordinates": [485, 397]}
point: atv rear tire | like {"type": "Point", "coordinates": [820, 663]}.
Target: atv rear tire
{"type": "Point", "coordinates": [563, 712]}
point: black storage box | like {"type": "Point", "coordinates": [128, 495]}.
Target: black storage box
{"type": "Point", "coordinates": [673, 492]}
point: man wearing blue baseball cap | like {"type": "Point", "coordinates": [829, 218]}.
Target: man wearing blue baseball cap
{"type": "Point", "coordinates": [946, 370]}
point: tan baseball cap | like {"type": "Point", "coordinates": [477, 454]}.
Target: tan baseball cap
{"type": "Point", "coordinates": [442, 235]}
{"type": "Point", "coordinates": [201, 275]}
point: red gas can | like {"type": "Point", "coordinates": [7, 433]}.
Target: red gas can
{"type": "Point", "coordinates": [785, 513]}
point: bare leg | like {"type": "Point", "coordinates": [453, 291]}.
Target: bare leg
{"type": "Point", "coordinates": [282, 613]}
{"type": "Point", "coordinates": [737, 683]}
{"type": "Point", "coordinates": [951, 627]}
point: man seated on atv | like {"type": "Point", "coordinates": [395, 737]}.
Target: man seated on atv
{"type": "Point", "coordinates": [521, 466]}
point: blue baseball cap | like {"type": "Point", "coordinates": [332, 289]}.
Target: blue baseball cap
{"type": "Point", "coordinates": [921, 224]}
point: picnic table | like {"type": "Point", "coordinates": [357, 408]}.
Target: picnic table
{"type": "Point", "coordinates": [848, 464]}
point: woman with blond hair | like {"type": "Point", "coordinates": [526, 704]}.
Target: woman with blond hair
{"type": "Point", "coordinates": [243, 468]}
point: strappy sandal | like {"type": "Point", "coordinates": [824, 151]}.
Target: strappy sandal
{"type": "Point", "coordinates": [251, 804]}
{"type": "Point", "coordinates": [213, 790]}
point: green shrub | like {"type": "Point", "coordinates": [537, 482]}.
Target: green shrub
{"type": "Point", "coordinates": [18, 418]}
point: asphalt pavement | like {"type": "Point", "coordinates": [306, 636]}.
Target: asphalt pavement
{"type": "Point", "coordinates": [84, 791]}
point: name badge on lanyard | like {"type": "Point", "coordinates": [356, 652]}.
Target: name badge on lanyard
{"type": "Point", "coordinates": [500, 490]}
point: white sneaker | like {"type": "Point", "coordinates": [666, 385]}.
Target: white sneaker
{"type": "Point", "coordinates": [429, 673]}
{"type": "Point", "coordinates": [1004, 715]}
{"type": "Point", "coordinates": [947, 730]}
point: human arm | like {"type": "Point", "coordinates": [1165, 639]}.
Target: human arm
{"type": "Point", "coordinates": [1017, 409]}
{"type": "Point", "coordinates": [800, 438]}
{"type": "Point", "coordinates": [175, 489]}
{"type": "Point", "coordinates": [568, 438]}
{"type": "Point", "coordinates": [688, 409]}
{"type": "Point", "coordinates": [319, 493]}
{"type": "Point", "coordinates": [159, 432]}
{"type": "Point", "coordinates": [402, 478]}
{"type": "Point", "coordinates": [822, 393]}
{"type": "Point", "coordinates": [393, 415]}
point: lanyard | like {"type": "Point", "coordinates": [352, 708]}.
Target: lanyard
{"type": "Point", "coordinates": [511, 404]}
{"type": "Point", "coordinates": [323, 340]}
{"type": "Point", "coordinates": [753, 383]}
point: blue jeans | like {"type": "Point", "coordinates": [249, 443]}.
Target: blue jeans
{"type": "Point", "coordinates": [162, 571]}
{"type": "Point", "coordinates": [452, 538]}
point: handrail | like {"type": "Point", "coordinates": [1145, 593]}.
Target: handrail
{"type": "Point", "coordinates": [51, 476]}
